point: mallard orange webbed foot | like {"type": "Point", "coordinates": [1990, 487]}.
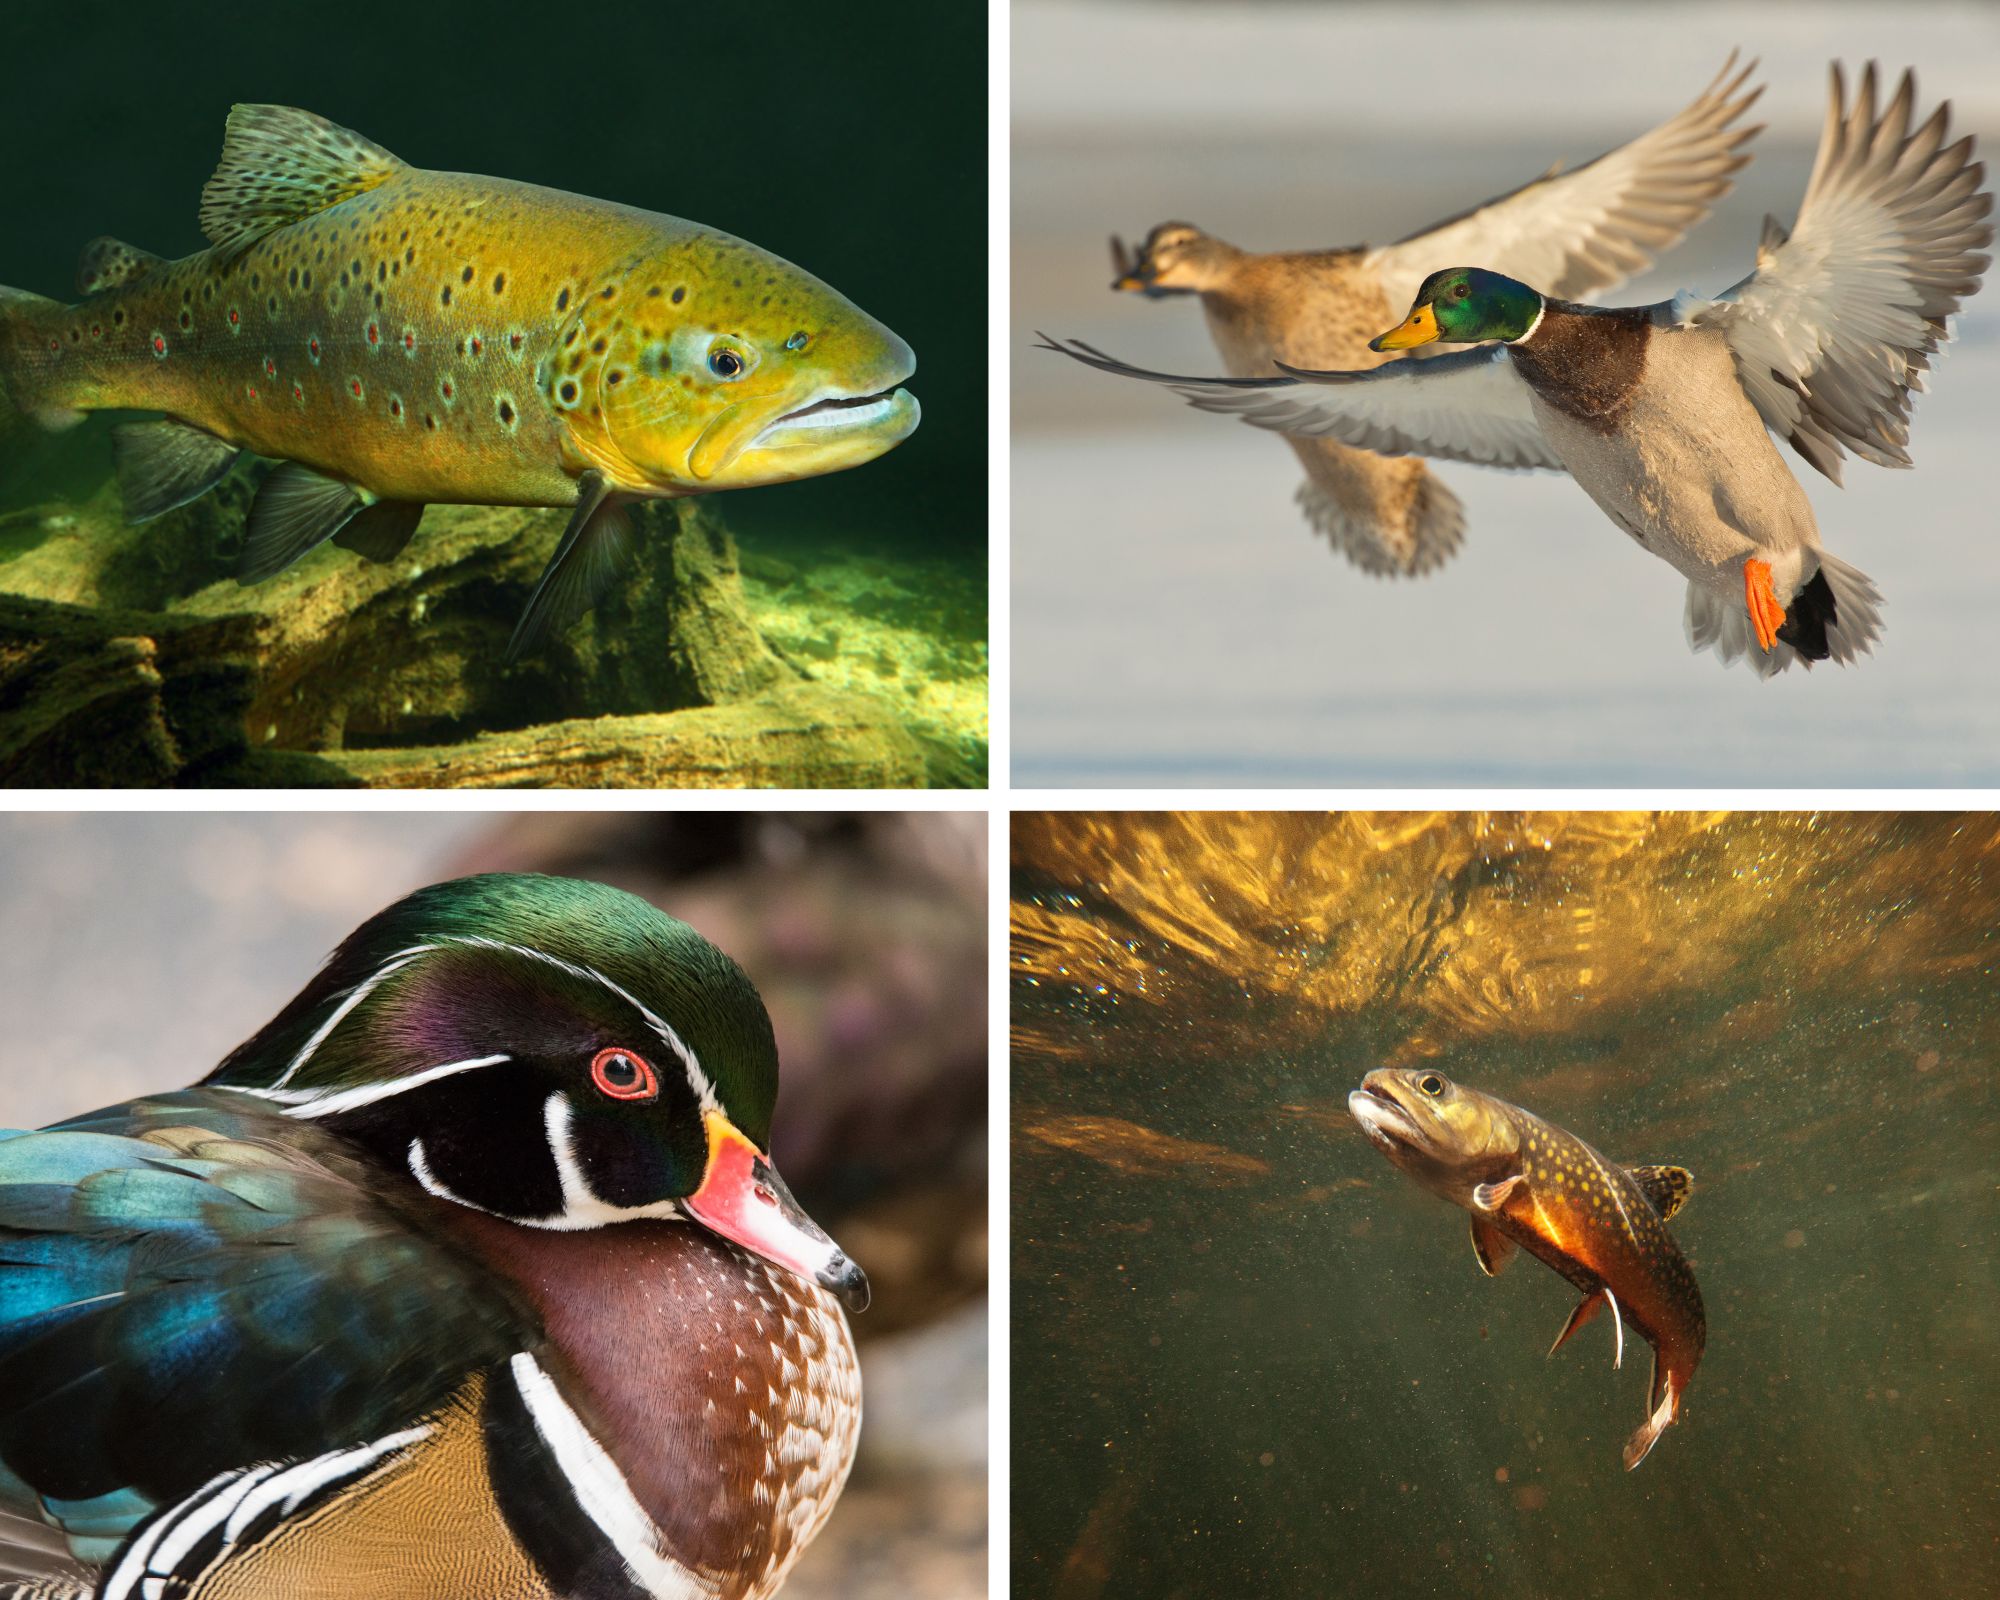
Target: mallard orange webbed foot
{"type": "Point", "coordinates": [1766, 615]}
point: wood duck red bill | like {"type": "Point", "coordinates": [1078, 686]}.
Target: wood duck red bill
{"type": "Point", "coordinates": [1530, 1184]}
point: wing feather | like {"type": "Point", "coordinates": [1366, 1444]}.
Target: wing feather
{"type": "Point", "coordinates": [1843, 314]}
{"type": "Point", "coordinates": [1468, 406]}
{"type": "Point", "coordinates": [1572, 234]}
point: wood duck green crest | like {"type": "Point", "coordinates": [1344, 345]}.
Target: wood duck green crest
{"type": "Point", "coordinates": [468, 1275]}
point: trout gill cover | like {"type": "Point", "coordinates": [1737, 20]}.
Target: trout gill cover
{"type": "Point", "coordinates": [1529, 1183]}
{"type": "Point", "coordinates": [395, 337]}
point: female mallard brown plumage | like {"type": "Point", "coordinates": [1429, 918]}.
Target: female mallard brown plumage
{"type": "Point", "coordinates": [1579, 232]}
{"type": "Point", "coordinates": [1663, 413]}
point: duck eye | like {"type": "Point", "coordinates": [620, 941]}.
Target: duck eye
{"type": "Point", "coordinates": [725, 363]}
{"type": "Point", "coordinates": [1463, 292]}
{"type": "Point", "coordinates": [624, 1076]}
{"type": "Point", "coordinates": [1431, 1083]}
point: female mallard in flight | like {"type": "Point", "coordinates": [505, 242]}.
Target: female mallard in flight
{"type": "Point", "coordinates": [1577, 232]}
{"type": "Point", "coordinates": [1660, 411]}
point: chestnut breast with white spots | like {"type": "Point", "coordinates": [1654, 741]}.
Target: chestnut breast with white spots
{"type": "Point", "coordinates": [726, 1390]}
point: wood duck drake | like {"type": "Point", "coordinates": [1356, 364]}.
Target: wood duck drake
{"type": "Point", "coordinates": [1578, 232]}
{"type": "Point", "coordinates": [467, 1278]}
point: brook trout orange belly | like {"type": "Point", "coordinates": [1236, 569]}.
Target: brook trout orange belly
{"type": "Point", "coordinates": [400, 337]}
{"type": "Point", "coordinates": [1532, 1185]}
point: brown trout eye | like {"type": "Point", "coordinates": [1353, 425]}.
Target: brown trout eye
{"type": "Point", "coordinates": [725, 363]}
{"type": "Point", "coordinates": [1431, 1084]}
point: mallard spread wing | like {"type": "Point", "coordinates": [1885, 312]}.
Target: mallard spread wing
{"type": "Point", "coordinates": [1838, 323]}
{"type": "Point", "coordinates": [1467, 406]}
{"type": "Point", "coordinates": [1572, 233]}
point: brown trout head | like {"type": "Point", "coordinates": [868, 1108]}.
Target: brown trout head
{"type": "Point", "coordinates": [715, 365]}
{"type": "Point", "coordinates": [1449, 1138]}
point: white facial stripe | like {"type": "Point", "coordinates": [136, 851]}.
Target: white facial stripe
{"type": "Point", "coordinates": [359, 993]}
{"type": "Point", "coordinates": [420, 1169]}
{"type": "Point", "coordinates": [697, 1079]}
{"type": "Point", "coordinates": [324, 1103]}
{"type": "Point", "coordinates": [581, 1208]}
{"type": "Point", "coordinates": [603, 1493]}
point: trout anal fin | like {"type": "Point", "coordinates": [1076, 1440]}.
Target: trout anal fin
{"type": "Point", "coordinates": [1667, 1188]}
{"type": "Point", "coordinates": [296, 510]}
{"type": "Point", "coordinates": [1492, 1196]}
{"type": "Point", "coordinates": [1585, 1309]}
{"type": "Point", "coordinates": [593, 551]}
{"type": "Point", "coordinates": [163, 465]}
{"type": "Point", "coordinates": [1493, 1248]}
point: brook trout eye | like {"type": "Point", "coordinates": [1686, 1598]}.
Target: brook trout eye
{"type": "Point", "coordinates": [725, 363]}
{"type": "Point", "coordinates": [1431, 1083]}
{"type": "Point", "coordinates": [623, 1076]}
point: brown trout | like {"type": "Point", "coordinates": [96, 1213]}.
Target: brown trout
{"type": "Point", "coordinates": [396, 337]}
{"type": "Point", "coordinates": [1527, 1182]}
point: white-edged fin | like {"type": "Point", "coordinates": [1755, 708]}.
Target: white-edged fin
{"type": "Point", "coordinates": [1618, 1322]}
{"type": "Point", "coordinates": [1493, 1248]}
{"type": "Point", "coordinates": [1580, 1313]}
{"type": "Point", "coordinates": [1492, 1196]}
{"type": "Point", "coordinates": [164, 465]}
{"type": "Point", "coordinates": [1641, 1443]}
{"type": "Point", "coordinates": [593, 552]}
{"type": "Point", "coordinates": [296, 510]}
{"type": "Point", "coordinates": [280, 164]}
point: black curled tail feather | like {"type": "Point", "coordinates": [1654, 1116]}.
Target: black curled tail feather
{"type": "Point", "coordinates": [1813, 611]}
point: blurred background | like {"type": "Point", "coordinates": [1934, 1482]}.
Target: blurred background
{"type": "Point", "coordinates": [141, 948]}
{"type": "Point", "coordinates": [1157, 556]}
{"type": "Point", "coordinates": [1245, 1344]}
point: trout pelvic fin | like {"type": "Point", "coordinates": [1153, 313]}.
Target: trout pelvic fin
{"type": "Point", "coordinates": [279, 165]}
{"type": "Point", "coordinates": [593, 551]}
{"type": "Point", "coordinates": [1667, 1188]}
{"type": "Point", "coordinates": [1493, 1248]}
{"type": "Point", "coordinates": [164, 465]}
{"type": "Point", "coordinates": [1585, 1309]}
{"type": "Point", "coordinates": [296, 510]}
{"type": "Point", "coordinates": [107, 262]}
{"type": "Point", "coordinates": [379, 532]}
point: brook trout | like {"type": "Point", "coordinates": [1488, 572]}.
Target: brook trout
{"type": "Point", "coordinates": [1527, 1182]}
{"type": "Point", "coordinates": [396, 337]}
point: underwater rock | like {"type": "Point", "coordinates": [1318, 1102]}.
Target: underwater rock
{"type": "Point", "coordinates": [798, 736]}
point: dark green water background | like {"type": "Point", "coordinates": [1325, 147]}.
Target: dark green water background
{"type": "Point", "coordinates": [850, 140]}
{"type": "Point", "coordinates": [1251, 1358]}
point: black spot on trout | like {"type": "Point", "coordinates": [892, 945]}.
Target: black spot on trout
{"type": "Point", "coordinates": [1530, 1184]}
{"type": "Point", "coordinates": [293, 191]}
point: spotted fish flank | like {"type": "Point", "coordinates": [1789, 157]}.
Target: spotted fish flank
{"type": "Point", "coordinates": [1531, 1185]}
{"type": "Point", "coordinates": [401, 338]}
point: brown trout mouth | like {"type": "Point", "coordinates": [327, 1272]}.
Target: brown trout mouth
{"type": "Point", "coordinates": [833, 417]}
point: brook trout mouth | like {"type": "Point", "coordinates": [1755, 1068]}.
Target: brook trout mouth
{"type": "Point", "coordinates": [1385, 1122]}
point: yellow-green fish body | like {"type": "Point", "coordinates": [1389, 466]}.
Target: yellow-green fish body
{"type": "Point", "coordinates": [405, 337]}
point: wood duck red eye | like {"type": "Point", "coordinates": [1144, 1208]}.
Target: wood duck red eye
{"type": "Point", "coordinates": [1431, 1083]}
{"type": "Point", "coordinates": [623, 1075]}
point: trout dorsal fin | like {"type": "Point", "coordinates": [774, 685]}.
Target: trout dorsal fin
{"type": "Point", "coordinates": [106, 263]}
{"type": "Point", "coordinates": [1667, 1187]}
{"type": "Point", "coordinates": [280, 164]}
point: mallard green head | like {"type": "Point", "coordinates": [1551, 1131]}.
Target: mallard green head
{"type": "Point", "coordinates": [1177, 258]}
{"type": "Point", "coordinates": [550, 1051]}
{"type": "Point", "coordinates": [1465, 305]}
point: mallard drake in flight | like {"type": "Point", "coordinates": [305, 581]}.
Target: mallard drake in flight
{"type": "Point", "coordinates": [1578, 232]}
{"type": "Point", "coordinates": [469, 1275]}
{"type": "Point", "coordinates": [1661, 412]}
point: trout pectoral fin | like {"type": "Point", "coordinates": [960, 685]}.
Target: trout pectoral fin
{"type": "Point", "coordinates": [1667, 1187]}
{"type": "Point", "coordinates": [1586, 1308]}
{"type": "Point", "coordinates": [1493, 1248]}
{"type": "Point", "coordinates": [592, 553]}
{"type": "Point", "coordinates": [164, 464]}
{"type": "Point", "coordinates": [1492, 1196]}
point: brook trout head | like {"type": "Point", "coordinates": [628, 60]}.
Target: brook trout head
{"type": "Point", "coordinates": [715, 365]}
{"type": "Point", "coordinates": [1446, 1136]}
